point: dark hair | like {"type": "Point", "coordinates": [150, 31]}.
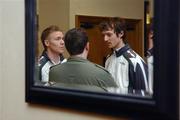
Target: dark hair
{"type": "Point", "coordinates": [75, 40]}
{"type": "Point", "coordinates": [115, 23]}
{"type": "Point", "coordinates": [47, 31]}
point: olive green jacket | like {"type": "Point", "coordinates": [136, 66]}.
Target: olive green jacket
{"type": "Point", "coordinates": [78, 71]}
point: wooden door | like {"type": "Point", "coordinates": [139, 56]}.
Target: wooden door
{"type": "Point", "coordinates": [98, 49]}
{"type": "Point", "coordinates": [134, 36]}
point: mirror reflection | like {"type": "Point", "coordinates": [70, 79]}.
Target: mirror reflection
{"type": "Point", "coordinates": [87, 45]}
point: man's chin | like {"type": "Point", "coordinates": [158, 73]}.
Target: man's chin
{"type": "Point", "coordinates": [61, 52]}
{"type": "Point", "coordinates": [110, 46]}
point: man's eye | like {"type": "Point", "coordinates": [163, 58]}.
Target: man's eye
{"type": "Point", "coordinates": [109, 35]}
{"type": "Point", "coordinates": [57, 39]}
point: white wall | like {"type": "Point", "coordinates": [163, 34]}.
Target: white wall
{"type": "Point", "coordinates": [12, 72]}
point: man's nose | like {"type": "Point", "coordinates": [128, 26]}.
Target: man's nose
{"type": "Point", "coordinates": [105, 38]}
{"type": "Point", "coordinates": [62, 42]}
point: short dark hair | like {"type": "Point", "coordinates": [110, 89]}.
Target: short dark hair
{"type": "Point", "coordinates": [47, 31]}
{"type": "Point", "coordinates": [76, 40]}
{"type": "Point", "coordinates": [116, 23]}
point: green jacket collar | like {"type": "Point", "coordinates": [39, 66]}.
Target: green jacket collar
{"type": "Point", "coordinates": [77, 59]}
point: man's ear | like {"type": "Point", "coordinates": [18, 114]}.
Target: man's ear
{"type": "Point", "coordinates": [46, 42]}
{"type": "Point", "coordinates": [87, 46]}
{"type": "Point", "coordinates": [121, 34]}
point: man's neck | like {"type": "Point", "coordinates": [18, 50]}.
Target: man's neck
{"type": "Point", "coordinates": [55, 58]}
{"type": "Point", "coordinates": [82, 55]}
{"type": "Point", "coordinates": [120, 45]}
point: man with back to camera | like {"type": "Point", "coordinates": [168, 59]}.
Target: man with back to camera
{"type": "Point", "coordinates": [126, 66]}
{"type": "Point", "coordinates": [78, 71]}
{"type": "Point", "coordinates": [52, 39]}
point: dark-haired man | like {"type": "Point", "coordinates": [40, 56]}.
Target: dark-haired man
{"type": "Point", "coordinates": [126, 66]}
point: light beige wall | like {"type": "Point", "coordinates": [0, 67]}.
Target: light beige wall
{"type": "Point", "coordinates": [12, 72]}
{"type": "Point", "coordinates": [151, 8]}
{"type": "Point", "coordinates": [122, 8]}
{"type": "Point", "coordinates": [53, 12]}
{"type": "Point", "coordinates": [1, 63]}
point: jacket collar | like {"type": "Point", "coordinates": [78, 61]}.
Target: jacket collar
{"type": "Point", "coordinates": [122, 50]}
{"type": "Point", "coordinates": [44, 53]}
{"type": "Point", "coordinates": [78, 59]}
